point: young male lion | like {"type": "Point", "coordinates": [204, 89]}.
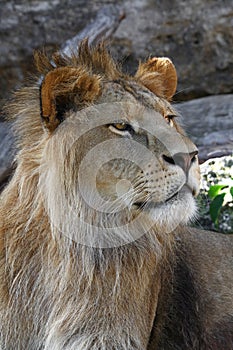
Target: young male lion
{"type": "Point", "coordinates": [95, 251]}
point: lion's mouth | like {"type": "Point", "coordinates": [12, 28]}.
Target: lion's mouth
{"type": "Point", "coordinates": [172, 197]}
{"type": "Point", "coordinates": [152, 203]}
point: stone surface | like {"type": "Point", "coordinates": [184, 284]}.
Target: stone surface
{"type": "Point", "coordinates": [6, 146]}
{"type": "Point", "coordinates": [27, 25]}
{"type": "Point", "coordinates": [196, 34]}
{"type": "Point", "coordinates": [209, 122]}
{"type": "Point", "coordinates": [7, 152]}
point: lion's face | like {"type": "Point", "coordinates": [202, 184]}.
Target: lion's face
{"type": "Point", "coordinates": [148, 163]}
{"type": "Point", "coordinates": [122, 157]}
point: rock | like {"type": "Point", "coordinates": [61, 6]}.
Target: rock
{"type": "Point", "coordinates": [7, 152]}
{"type": "Point", "coordinates": [37, 24]}
{"type": "Point", "coordinates": [196, 34]}
{"type": "Point", "coordinates": [105, 24]}
{"type": "Point", "coordinates": [209, 122]}
{"type": "Point", "coordinates": [6, 147]}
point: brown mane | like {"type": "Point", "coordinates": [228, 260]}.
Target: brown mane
{"type": "Point", "coordinates": [95, 60]}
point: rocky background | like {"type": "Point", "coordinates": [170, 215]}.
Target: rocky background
{"type": "Point", "coordinates": [197, 35]}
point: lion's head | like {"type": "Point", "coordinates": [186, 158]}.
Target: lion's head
{"type": "Point", "coordinates": [111, 157]}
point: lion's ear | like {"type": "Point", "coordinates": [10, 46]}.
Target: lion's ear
{"type": "Point", "coordinates": [158, 74]}
{"type": "Point", "coordinates": [64, 88]}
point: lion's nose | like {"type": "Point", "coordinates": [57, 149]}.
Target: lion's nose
{"type": "Point", "coordinates": [184, 160]}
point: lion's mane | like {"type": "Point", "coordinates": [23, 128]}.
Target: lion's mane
{"type": "Point", "coordinates": [45, 273]}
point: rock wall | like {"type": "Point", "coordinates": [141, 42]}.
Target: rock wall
{"type": "Point", "coordinates": [209, 123]}
{"type": "Point", "coordinates": [196, 34]}
{"type": "Point", "coordinates": [27, 25]}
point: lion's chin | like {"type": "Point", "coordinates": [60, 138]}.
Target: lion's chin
{"type": "Point", "coordinates": [179, 209]}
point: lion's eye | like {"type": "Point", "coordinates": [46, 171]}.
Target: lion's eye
{"type": "Point", "coordinates": [169, 118]}
{"type": "Point", "coordinates": [121, 128]}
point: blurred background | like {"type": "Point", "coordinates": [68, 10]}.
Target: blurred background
{"type": "Point", "coordinates": [197, 35]}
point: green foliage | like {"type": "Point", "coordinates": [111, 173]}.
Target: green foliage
{"type": "Point", "coordinates": [220, 195]}
{"type": "Point", "coordinates": [215, 200]}
{"type": "Point", "coordinates": [215, 190]}
{"type": "Point", "coordinates": [231, 191]}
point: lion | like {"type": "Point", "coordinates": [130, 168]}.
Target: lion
{"type": "Point", "coordinates": [96, 251]}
